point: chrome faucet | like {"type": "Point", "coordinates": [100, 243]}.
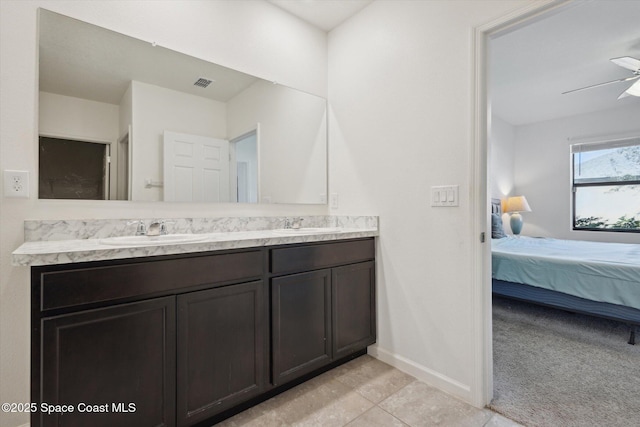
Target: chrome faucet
{"type": "Point", "coordinates": [141, 229]}
{"type": "Point", "coordinates": [293, 223]}
{"type": "Point", "coordinates": [157, 228]}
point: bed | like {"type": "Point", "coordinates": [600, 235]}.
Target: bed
{"type": "Point", "coordinates": [599, 279]}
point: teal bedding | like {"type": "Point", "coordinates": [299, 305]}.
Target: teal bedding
{"type": "Point", "coordinates": [605, 272]}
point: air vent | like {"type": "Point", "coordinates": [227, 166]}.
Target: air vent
{"type": "Point", "coordinates": [202, 82]}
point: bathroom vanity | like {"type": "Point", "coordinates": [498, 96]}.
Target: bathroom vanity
{"type": "Point", "coordinates": [192, 338]}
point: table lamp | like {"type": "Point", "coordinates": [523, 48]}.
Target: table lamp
{"type": "Point", "coordinates": [514, 206]}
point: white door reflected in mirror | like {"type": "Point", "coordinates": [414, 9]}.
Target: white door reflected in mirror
{"type": "Point", "coordinates": [196, 168]}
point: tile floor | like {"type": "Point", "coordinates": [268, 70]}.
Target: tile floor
{"type": "Point", "coordinates": [366, 393]}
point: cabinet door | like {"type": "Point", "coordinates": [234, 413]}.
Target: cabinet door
{"type": "Point", "coordinates": [221, 349]}
{"type": "Point", "coordinates": [118, 362]}
{"type": "Point", "coordinates": [353, 294]}
{"type": "Point", "coordinates": [301, 324]}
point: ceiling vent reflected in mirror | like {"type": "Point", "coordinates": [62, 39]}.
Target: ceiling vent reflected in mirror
{"type": "Point", "coordinates": [202, 82]}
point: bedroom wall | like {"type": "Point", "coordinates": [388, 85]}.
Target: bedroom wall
{"type": "Point", "coordinates": [401, 98]}
{"type": "Point", "coordinates": [542, 170]}
{"type": "Point", "coordinates": [252, 36]}
{"type": "Point", "coordinates": [502, 140]}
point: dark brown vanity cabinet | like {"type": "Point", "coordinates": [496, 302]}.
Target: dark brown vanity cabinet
{"type": "Point", "coordinates": [301, 322]}
{"type": "Point", "coordinates": [221, 349]}
{"type": "Point", "coordinates": [110, 366]}
{"type": "Point", "coordinates": [354, 308]}
{"type": "Point", "coordinates": [325, 314]}
{"type": "Point", "coordinates": [188, 339]}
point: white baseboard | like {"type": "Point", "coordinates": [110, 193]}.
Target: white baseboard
{"type": "Point", "coordinates": [426, 375]}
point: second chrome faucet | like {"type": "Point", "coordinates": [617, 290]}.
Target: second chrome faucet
{"type": "Point", "coordinates": [294, 223]}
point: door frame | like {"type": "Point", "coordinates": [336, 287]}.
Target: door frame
{"type": "Point", "coordinates": [123, 166]}
{"type": "Point", "coordinates": [481, 316]}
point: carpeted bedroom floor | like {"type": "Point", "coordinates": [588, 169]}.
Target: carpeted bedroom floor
{"type": "Point", "coordinates": [553, 368]}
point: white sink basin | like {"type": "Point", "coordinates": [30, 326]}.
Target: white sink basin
{"type": "Point", "coordinates": [166, 239]}
{"type": "Point", "coordinates": [306, 230]}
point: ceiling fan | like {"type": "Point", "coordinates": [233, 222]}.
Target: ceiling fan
{"type": "Point", "coordinates": [629, 63]}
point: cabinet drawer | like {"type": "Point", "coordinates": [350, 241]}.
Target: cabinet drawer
{"type": "Point", "coordinates": [66, 288]}
{"type": "Point", "coordinates": [312, 257]}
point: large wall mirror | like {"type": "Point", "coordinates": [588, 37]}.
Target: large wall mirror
{"type": "Point", "coordinates": [122, 119]}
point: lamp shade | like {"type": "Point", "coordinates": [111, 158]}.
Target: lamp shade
{"type": "Point", "coordinates": [517, 204]}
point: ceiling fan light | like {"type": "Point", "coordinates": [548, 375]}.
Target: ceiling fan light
{"type": "Point", "coordinates": [634, 89]}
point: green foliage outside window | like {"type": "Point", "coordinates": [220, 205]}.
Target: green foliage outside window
{"type": "Point", "coordinates": [623, 223]}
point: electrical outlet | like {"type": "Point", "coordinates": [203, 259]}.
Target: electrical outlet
{"type": "Point", "coordinates": [16, 184]}
{"type": "Point", "coordinates": [333, 198]}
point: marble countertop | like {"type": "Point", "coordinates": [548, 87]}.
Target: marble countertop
{"type": "Point", "coordinates": [49, 252]}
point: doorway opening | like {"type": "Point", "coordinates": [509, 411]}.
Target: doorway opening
{"type": "Point", "coordinates": [244, 151]}
{"type": "Point", "coordinates": [492, 126]}
{"type": "Point", "coordinates": [73, 169]}
{"type": "Point", "coordinates": [482, 290]}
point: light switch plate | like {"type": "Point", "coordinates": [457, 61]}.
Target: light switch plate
{"type": "Point", "coordinates": [16, 184]}
{"type": "Point", "coordinates": [445, 195]}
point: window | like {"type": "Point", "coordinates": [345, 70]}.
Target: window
{"type": "Point", "coordinates": [606, 185]}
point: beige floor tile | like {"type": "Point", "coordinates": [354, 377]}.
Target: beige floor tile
{"type": "Point", "coordinates": [321, 401]}
{"type": "Point", "coordinates": [372, 378]}
{"type": "Point", "coordinates": [420, 405]}
{"type": "Point", "coordinates": [498, 420]}
{"type": "Point", "coordinates": [269, 412]}
{"type": "Point", "coordinates": [344, 397]}
{"type": "Point", "coordinates": [376, 417]}
{"type": "Point", "coordinates": [258, 416]}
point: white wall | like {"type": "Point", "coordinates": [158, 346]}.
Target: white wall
{"type": "Point", "coordinates": [251, 36]}
{"type": "Point", "coordinates": [543, 175]}
{"type": "Point", "coordinates": [156, 109]}
{"type": "Point", "coordinates": [76, 118]}
{"type": "Point", "coordinates": [82, 119]}
{"type": "Point", "coordinates": [285, 116]}
{"type": "Point", "coordinates": [126, 113]}
{"type": "Point", "coordinates": [401, 121]}
{"type": "Point", "coordinates": [502, 140]}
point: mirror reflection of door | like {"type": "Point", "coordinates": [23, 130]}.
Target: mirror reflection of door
{"type": "Point", "coordinates": [73, 169]}
{"type": "Point", "coordinates": [245, 151]}
{"type": "Point", "coordinates": [196, 168]}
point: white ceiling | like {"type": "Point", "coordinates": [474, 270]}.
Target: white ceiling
{"type": "Point", "coordinates": [85, 61]}
{"type": "Point", "coordinates": [531, 66]}
{"type": "Point", "coordinates": [323, 14]}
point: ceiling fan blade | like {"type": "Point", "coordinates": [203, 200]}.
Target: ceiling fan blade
{"type": "Point", "coordinates": [627, 62]}
{"type": "Point", "coordinates": [634, 89]}
{"type": "Point", "coordinates": [626, 79]}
